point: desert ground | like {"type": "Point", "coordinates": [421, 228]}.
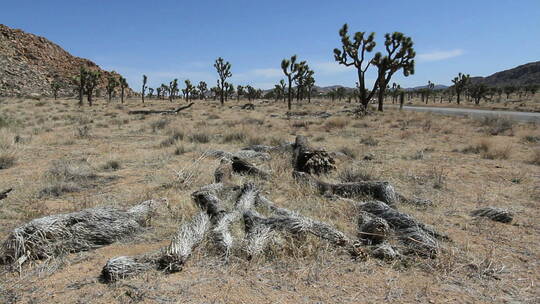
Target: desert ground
{"type": "Point", "coordinates": [457, 163]}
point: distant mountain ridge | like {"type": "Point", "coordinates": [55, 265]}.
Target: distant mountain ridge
{"type": "Point", "coordinates": [522, 75]}
{"type": "Point", "coordinates": [30, 63]}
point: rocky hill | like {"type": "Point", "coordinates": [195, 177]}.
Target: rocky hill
{"type": "Point", "coordinates": [30, 63]}
{"type": "Point", "coordinates": [525, 74]}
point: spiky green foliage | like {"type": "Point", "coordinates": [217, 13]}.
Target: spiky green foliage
{"type": "Point", "coordinates": [399, 56]}
{"type": "Point", "coordinates": [55, 87]}
{"type": "Point", "coordinates": [354, 53]}
{"type": "Point", "coordinates": [203, 88]}
{"type": "Point", "coordinates": [293, 71]}
{"type": "Point", "coordinates": [145, 79]}
{"type": "Point", "coordinates": [188, 90]}
{"type": "Point", "coordinates": [173, 89]}
{"type": "Point", "coordinates": [223, 69]}
{"type": "Point", "coordinates": [461, 81]}
{"type": "Point", "coordinates": [112, 83]}
{"type": "Point", "coordinates": [123, 86]}
{"type": "Point", "coordinates": [91, 81]}
{"type": "Point", "coordinates": [239, 92]}
{"type": "Point", "coordinates": [80, 82]}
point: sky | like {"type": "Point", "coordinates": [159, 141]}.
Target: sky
{"type": "Point", "coordinates": [181, 39]}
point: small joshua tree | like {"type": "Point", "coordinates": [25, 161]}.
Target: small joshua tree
{"type": "Point", "coordinates": [173, 88]}
{"type": "Point", "coordinates": [80, 81]}
{"type": "Point", "coordinates": [150, 93]}
{"type": "Point", "coordinates": [203, 88]}
{"type": "Point", "coordinates": [55, 87]}
{"type": "Point", "coordinates": [224, 71]}
{"type": "Point", "coordinates": [399, 56]}
{"type": "Point", "coordinates": [508, 90]}
{"type": "Point", "coordinates": [144, 80]}
{"type": "Point", "coordinates": [478, 91]}
{"type": "Point", "coordinates": [353, 53]}
{"type": "Point", "coordinates": [189, 89]}
{"type": "Point", "coordinates": [310, 82]}
{"type": "Point", "coordinates": [92, 80]}
{"type": "Point", "coordinates": [239, 92]}
{"type": "Point", "coordinates": [229, 90]}
{"type": "Point", "coordinates": [112, 83]}
{"type": "Point", "coordinates": [283, 86]}
{"type": "Point", "coordinates": [460, 84]}
{"type": "Point", "coordinates": [123, 86]}
{"type": "Point", "coordinates": [429, 88]}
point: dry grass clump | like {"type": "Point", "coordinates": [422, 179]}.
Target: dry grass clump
{"type": "Point", "coordinates": [369, 141]}
{"type": "Point", "coordinates": [234, 136]}
{"type": "Point", "coordinates": [353, 175]}
{"type": "Point", "coordinates": [349, 152]}
{"type": "Point", "coordinates": [172, 139]}
{"type": "Point", "coordinates": [336, 123]}
{"type": "Point", "coordinates": [200, 137]}
{"type": "Point", "coordinates": [531, 138]}
{"type": "Point", "coordinates": [480, 147]}
{"type": "Point", "coordinates": [498, 152]}
{"type": "Point", "coordinates": [497, 125]}
{"type": "Point", "coordinates": [111, 165]}
{"type": "Point", "coordinates": [159, 124]}
{"type": "Point", "coordinates": [535, 160]}
{"type": "Point", "coordinates": [67, 176]}
{"type": "Point", "coordinates": [8, 155]}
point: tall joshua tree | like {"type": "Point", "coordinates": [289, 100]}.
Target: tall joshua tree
{"type": "Point", "coordinates": [189, 88]}
{"type": "Point", "coordinates": [399, 56]}
{"type": "Point", "coordinates": [203, 88]}
{"type": "Point", "coordinates": [55, 87]}
{"type": "Point", "coordinates": [144, 80]}
{"type": "Point", "coordinates": [353, 53]}
{"type": "Point", "coordinates": [123, 86]}
{"type": "Point", "coordinates": [112, 83]}
{"type": "Point", "coordinates": [291, 69]}
{"type": "Point", "coordinates": [224, 71]}
{"type": "Point", "coordinates": [460, 83]}
{"type": "Point", "coordinates": [429, 88]}
{"type": "Point", "coordinates": [173, 88]}
{"type": "Point", "coordinates": [92, 80]}
{"type": "Point", "coordinates": [309, 83]}
{"type": "Point", "coordinates": [80, 81]}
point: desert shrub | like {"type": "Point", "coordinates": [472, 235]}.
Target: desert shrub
{"type": "Point", "coordinates": [65, 176]}
{"type": "Point", "coordinates": [369, 141]}
{"type": "Point", "coordinates": [111, 165]}
{"type": "Point", "coordinates": [82, 132]}
{"type": "Point", "coordinates": [255, 140]}
{"type": "Point", "coordinates": [535, 160]}
{"type": "Point", "coordinates": [6, 122]}
{"type": "Point", "coordinates": [349, 152]}
{"type": "Point", "coordinates": [159, 124]}
{"type": "Point", "coordinates": [498, 152]}
{"type": "Point", "coordinates": [438, 175]}
{"type": "Point", "coordinates": [235, 136]}
{"type": "Point", "coordinates": [300, 124]}
{"type": "Point", "coordinates": [336, 123]}
{"type": "Point", "coordinates": [480, 147]}
{"type": "Point", "coordinates": [352, 175]}
{"type": "Point", "coordinates": [497, 125]}
{"type": "Point", "coordinates": [7, 160]}
{"type": "Point", "coordinates": [200, 137]}
{"type": "Point", "coordinates": [531, 138]}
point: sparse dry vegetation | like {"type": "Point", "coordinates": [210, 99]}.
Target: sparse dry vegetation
{"type": "Point", "coordinates": [442, 178]}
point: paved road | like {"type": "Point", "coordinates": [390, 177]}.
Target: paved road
{"type": "Point", "coordinates": [519, 116]}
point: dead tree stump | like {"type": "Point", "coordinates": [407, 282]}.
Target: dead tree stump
{"type": "Point", "coordinates": [309, 160]}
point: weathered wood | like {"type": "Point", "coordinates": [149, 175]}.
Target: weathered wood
{"type": "Point", "coordinates": [146, 112]}
{"type": "Point", "coordinates": [242, 166]}
{"type": "Point", "coordinates": [379, 190]}
{"type": "Point", "coordinates": [310, 160]}
{"type": "Point", "coordinates": [248, 106]}
{"type": "Point", "coordinates": [494, 214]}
{"type": "Point", "coordinates": [5, 193]}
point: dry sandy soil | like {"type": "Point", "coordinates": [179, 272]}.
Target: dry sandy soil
{"type": "Point", "coordinates": [525, 103]}
{"type": "Point", "coordinates": [421, 154]}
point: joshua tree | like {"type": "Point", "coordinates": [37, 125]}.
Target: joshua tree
{"type": "Point", "coordinates": [291, 70]}
{"type": "Point", "coordinates": [229, 90]}
{"type": "Point", "coordinates": [224, 71]}
{"type": "Point", "coordinates": [144, 80]}
{"type": "Point", "coordinates": [189, 89]}
{"type": "Point", "coordinates": [173, 88]}
{"type": "Point", "coordinates": [478, 91]}
{"type": "Point", "coordinates": [203, 88]}
{"type": "Point", "coordinates": [532, 89]}
{"type": "Point", "coordinates": [399, 55]}
{"type": "Point", "coordinates": [55, 87]}
{"type": "Point", "coordinates": [150, 93]}
{"type": "Point", "coordinates": [239, 92]}
{"type": "Point", "coordinates": [80, 81]}
{"type": "Point", "coordinates": [112, 83]}
{"type": "Point", "coordinates": [461, 81]}
{"type": "Point", "coordinates": [353, 53]}
{"type": "Point", "coordinates": [283, 86]}
{"type": "Point", "coordinates": [508, 90]}
{"type": "Point", "coordinates": [300, 79]}
{"type": "Point", "coordinates": [92, 80]}
{"type": "Point", "coordinates": [123, 86]}
{"type": "Point", "coordinates": [429, 88]}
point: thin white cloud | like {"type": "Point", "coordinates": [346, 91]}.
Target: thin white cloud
{"type": "Point", "coordinates": [439, 55]}
{"type": "Point", "coordinates": [329, 68]}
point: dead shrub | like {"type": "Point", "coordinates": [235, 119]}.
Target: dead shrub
{"type": "Point", "coordinates": [159, 124]}
{"type": "Point", "coordinates": [480, 147]}
{"type": "Point", "coordinates": [235, 136]}
{"type": "Point", "coordinates": [336, 123]}
{"type": "Point", "coordinates": [497, 125]}
{"type": "Point", "coordinates": [498, 152]}
{"type": "Point", "coordinates": [535, 160]}
{"type": "Point", "coordinates": [200, 137]}
{"type": "Point", "coordinates": [353, 175]}
{"type": "Point", "coordinates": [369, 141]}
{"type": "Point", "coordinates": [349, 152]}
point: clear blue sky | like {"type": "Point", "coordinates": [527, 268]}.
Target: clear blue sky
{"type": "Point", "coordinates": [181, 39]}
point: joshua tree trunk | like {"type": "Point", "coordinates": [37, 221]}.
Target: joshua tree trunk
{"type": "Point", "coordinates": [290, 94]}
{"type": "Point", "coordinates": [122, 94]}
{"type": "Point", "coordinates": [401, 100]}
